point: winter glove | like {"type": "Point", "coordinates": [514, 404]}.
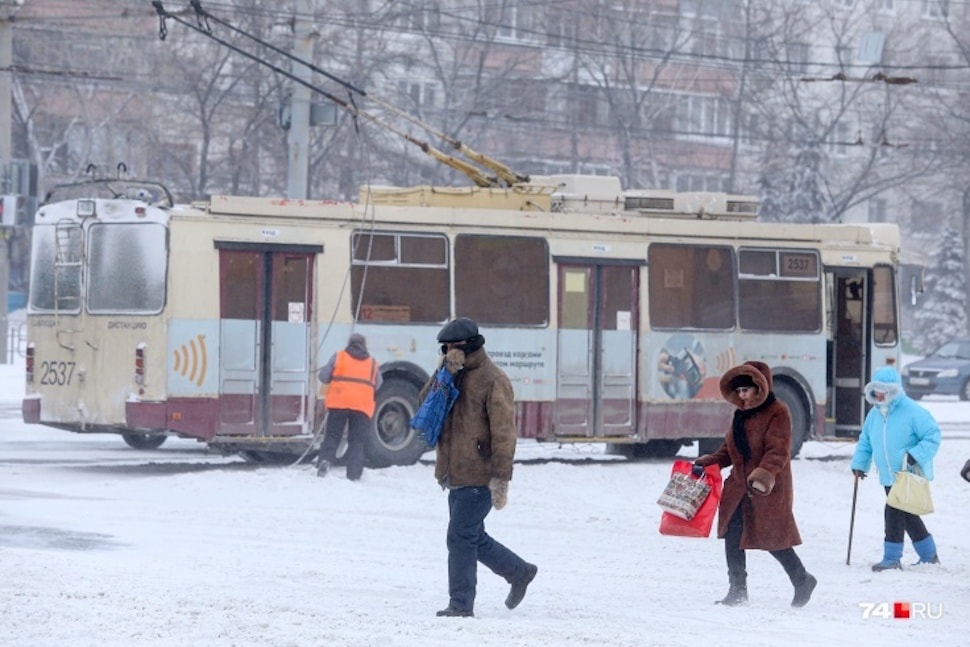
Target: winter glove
{"type": "Point", "coordinates": [859, 474]}
{"type": "Point", "coordinates": [910, 460]}
{"type": "Point", "coordinates": [965, 472]}
{"type": "Point", "coordinates": [697, 470]}
{"type": "Point", "coordinates": [704, 460]}
{"type": "Point", "coordinates": [454, 360]}
{"type": "Point", "coordinates": [500, 492]}
{"type": "Point", "coordinates": [761, 481]}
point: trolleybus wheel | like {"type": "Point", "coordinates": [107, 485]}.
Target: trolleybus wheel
{"type": "Point", "coordinates": [143, 440]}
{"type": "Point", "coordinates": [393, 442]}
{"type": "Point", "coordinates": [799, 416]}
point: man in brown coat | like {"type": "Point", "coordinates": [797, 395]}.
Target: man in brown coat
{"type": "Point", "coordinates": [474, 462]}
{"type": "Point", "coordinates": [756, 504]}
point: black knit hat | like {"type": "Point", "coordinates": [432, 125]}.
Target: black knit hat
{"type": "Point", "coordinates": [460, 329]}
{"type": "Point", "coordinates": [742, 380]}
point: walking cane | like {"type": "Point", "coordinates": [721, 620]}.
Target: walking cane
{"type": "Point", "coordinates": [855, 492]}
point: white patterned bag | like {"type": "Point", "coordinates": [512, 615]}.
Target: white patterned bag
{"type": "Point", "coordinates": [684, 495]}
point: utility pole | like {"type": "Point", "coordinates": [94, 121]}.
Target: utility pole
{"type": "Point", "coordinates": [304, 34]}
{"type": "Point", "coordinates": [7, 10]}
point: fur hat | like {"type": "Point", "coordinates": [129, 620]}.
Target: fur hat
{"type": "Point", "coordinates": [742, 380]}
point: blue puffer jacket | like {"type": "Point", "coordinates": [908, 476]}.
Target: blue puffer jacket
{"type": "Point", "coordinates": [894, 428]}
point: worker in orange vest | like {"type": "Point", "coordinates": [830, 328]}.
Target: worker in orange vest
{"type": "Point", "coordinates": [354, 377]}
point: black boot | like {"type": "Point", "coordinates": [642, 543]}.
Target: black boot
{"type": "Point", "coordinates": [803, 581]}
{"type": "Point", "coordinates": [803, 590]}
{"type": "Point", "coordinates": [737, 589]}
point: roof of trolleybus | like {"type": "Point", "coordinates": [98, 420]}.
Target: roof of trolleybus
{"type": "Point", "coordinates": [544, 207]}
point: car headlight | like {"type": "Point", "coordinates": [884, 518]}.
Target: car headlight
{"type": "Point", "coordinates": [948, 372]}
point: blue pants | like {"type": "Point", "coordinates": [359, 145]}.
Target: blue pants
{"type": "Point", "coordinates": [468, 544]}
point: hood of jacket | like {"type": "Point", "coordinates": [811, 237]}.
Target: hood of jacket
{"type": "Point", "coordinates": [885, 380]}
{"type": "Point", "coordinates": [357, 347]}
{"type": "Point", "coordinates": [760, 374]}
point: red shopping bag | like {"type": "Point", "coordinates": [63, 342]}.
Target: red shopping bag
{"type": "Point", "coordinates": [703, 520]}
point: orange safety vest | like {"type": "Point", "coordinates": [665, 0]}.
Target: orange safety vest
{"type": "Point", "coordinates": [353, 384]}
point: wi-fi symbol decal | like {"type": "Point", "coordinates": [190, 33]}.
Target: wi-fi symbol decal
{"type": "Point", "coordinates": [191, 360]}
{"type": "Point", "coordinates": [726, 360]}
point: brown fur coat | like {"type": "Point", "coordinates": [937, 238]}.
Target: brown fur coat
{"type": "Point", "coordinates": [478, 440]}
{"type": "Point", "coordinates": [769, 523]}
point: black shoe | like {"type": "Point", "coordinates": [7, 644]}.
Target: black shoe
{"type": "Point", "coordinates": [517, 592]}
{"type": "Point", "coordinates": [803, 592]}
{"type": "Point", "coordinates": [322, 468]}
{"type": "Point", "coordinates": [736, 595]}
{"type": "Point", "coordinates": [452, 612]}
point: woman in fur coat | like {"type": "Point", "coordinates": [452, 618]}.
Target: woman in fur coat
{"type": "Point", "coordinates": [756, 506]}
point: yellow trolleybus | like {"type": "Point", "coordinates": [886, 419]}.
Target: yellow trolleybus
{"type": "Point", "coordinates": [614, 312]}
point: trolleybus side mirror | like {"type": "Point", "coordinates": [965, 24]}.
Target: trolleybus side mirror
{"type": "Point", "coordinates": [915, 289]}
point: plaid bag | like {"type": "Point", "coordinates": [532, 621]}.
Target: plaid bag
{"type": "Point", "coordinates": [684, 494]}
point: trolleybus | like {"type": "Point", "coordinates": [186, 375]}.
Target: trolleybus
{"type": "Point", "coordinates": [613, 312]}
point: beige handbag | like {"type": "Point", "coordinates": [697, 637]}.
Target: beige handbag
{"type": "Point", "coordinates": [911, 492]}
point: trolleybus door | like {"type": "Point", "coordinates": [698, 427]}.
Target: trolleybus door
{"type": "Point", "coordinates": [848, 355]}
{"type": "Point", "coordinates": [596, 384]}
{"type": "Point", "coordinates": [265, 339]}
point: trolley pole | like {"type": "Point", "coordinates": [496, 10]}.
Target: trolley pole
{"type": "Point", "coordinates": [299, 136]}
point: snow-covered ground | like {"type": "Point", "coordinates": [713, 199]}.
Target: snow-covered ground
{"type": "Point", "coordinates": [101, 544]}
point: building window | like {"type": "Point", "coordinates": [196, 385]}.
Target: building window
{"type": "Point", "coordinates": [936, 8]}
{"type": "Point", "coordinates": [877, 210]}
{"type": "Point", "coordinates": [798, 57]}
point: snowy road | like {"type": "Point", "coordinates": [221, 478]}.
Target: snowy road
{"type": "Point", "coordinates": [101, 544]}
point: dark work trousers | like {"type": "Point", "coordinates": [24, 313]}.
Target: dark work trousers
{"type": "Point", "coordinates": [899, 522]}
{"type": "Point", "coordinates": [737, 563]}
{"type": "Point", "coordinates": [468, 543]}
{"type": "Point", "coordinates": [358, 425]}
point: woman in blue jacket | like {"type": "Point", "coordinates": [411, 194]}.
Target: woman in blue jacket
{"type": "Point", "coordinates": [897, 431]}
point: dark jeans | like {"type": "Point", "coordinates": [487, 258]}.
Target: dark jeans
{"type": "Point", "coordinates": [468, 543]}
{"type": "Point", "coordinates": [737, 563]}
{"type": "Point", "coordinates": [899, 522]}
{"type": "Point", "coordinates": [358, 425]}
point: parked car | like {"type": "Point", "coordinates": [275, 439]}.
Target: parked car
{"type": "Point", "coordinates": [945, 371]}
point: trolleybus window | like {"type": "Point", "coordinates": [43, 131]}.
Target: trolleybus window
{"type": "Point", "coordinates": [502, 279]}
{"type": "Point", "coordinates": [691, 286]}
{"type": "Point", "coordinates": [883, 306]}
{"type": "Point", "coordinates": [127, 266]}
{"type": "Point", "coordinates": [55, 269]}
{"type": "Point", "coordinates": [400, 276]}
{"type": "Point", "coordinates": [779, 290]}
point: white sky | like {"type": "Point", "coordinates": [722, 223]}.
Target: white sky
{"type": "Point", "coordinates": [104, 545]}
